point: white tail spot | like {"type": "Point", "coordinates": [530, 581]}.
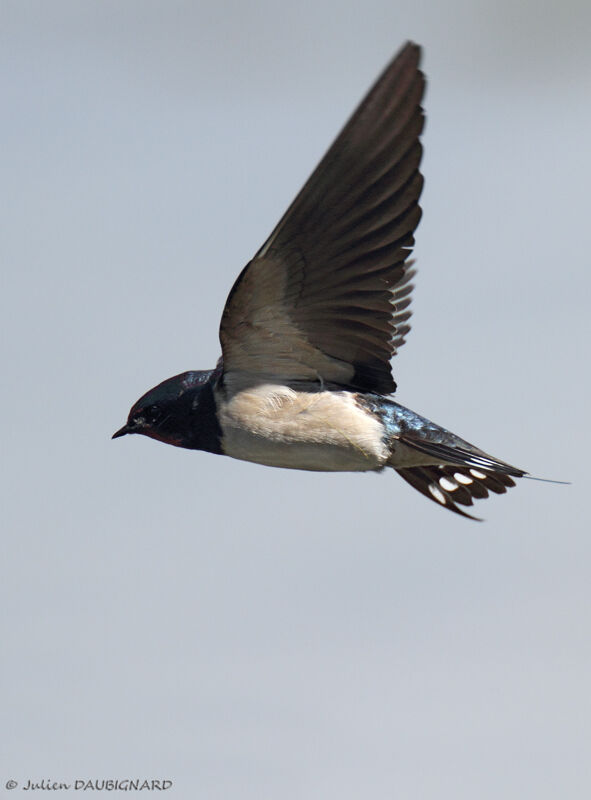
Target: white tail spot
{"type": "Point", "coordinates": [463, 478]}
{"type": "Point", "coordinates": [437, 493]}
{"type": "Point", "coordinates": [448, 484]}
{"type": "Point", "coordinates": [478, 474]}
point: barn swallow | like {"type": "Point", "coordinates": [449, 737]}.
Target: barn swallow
{"type": "Point", "coordinates": [311, 323]}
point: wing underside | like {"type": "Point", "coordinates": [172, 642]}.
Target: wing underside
{"type": "Point", "coordinates": [327, 295]}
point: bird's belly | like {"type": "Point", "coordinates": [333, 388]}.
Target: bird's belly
{"type": "Point", "coordinates": [281, 427]}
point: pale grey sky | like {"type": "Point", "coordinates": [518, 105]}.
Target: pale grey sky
{"type": "Point", "coordinates": [254, 633]}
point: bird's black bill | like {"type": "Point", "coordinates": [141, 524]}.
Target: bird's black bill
{"type": "Point", "coordinates": [121, 432]}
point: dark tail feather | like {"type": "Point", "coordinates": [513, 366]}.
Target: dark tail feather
{"type": "Point", "coordinates": [461, 453]}
{"type": "Point", "coordinates": [448, 485]}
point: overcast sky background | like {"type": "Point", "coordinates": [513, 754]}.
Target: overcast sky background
{"type": "Point", "coordinates": [255, 633]}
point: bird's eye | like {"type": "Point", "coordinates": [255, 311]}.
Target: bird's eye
{"type": "Point", "coordinates": [152, 413]}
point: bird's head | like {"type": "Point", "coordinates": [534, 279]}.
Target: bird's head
{"type": "Point", "coordinates": [177, 411]}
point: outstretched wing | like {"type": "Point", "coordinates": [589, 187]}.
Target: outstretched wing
{"type": "Point", "coordinates": [326, 296]}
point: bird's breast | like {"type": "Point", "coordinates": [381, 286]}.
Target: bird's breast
{"type": "Point", "coordinates": [281, 427]}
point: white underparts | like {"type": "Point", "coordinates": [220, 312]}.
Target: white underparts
{"type": "Point", "coordinates": [278, 426]}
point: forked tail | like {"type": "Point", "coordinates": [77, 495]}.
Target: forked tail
{"type": "Point", "coordinates": [464, 475]}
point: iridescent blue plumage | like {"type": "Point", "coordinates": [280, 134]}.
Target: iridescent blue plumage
{"type": "Point", "coordinates": [441, 465]}
{"type": "Point", "coordinates": [179, 411]}
{"type": "Point", "coordinates": [403, 424]}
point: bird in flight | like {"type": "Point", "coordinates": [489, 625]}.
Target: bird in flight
{"type": "Point", "coordinates": [311, 323]}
